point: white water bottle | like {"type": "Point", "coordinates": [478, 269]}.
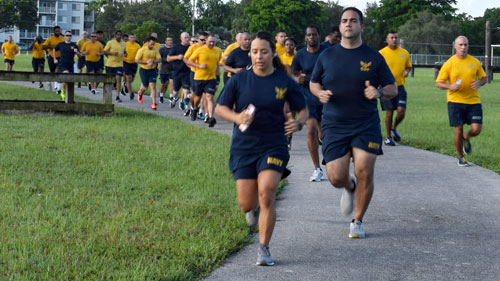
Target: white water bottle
{"type": "Point", "coordinates": [250, 111]}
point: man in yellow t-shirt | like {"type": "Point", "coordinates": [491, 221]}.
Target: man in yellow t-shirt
{"type": "Point", "coordinates": [227, 52]}
{"type": "Point", "coordinates": [129, 64]}
{"type": "Point", "coordinates": [50, 44]}
{"type": "Point", "coordinates": [157, 45]}
{"type": "Point", "coordinates": [93, 51]}
{"type": "Point", "coordinates": [280, 43]}
{"type": "Point", "coordinates": [9, 52]}
{"type": "Point", "coordinates": [206, 60]}
{"type": "Point", "coordinates": [287, 57]}
{"type": "Point", "coordinates": [202, 40]}
{"type": "Point", "coordinates": [114, 50]}
{"type": "Point", "coordinates": [462, 75]}
{"type": "Point", "coordinates": [398, 60]}
{"type": "Point", "coordinates": [148, 58]}
{"type": "Point", "coordinates": [38, 59]}
{"type": "Point", "coordinates": [81, 60]}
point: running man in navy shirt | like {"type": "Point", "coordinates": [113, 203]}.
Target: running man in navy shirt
{"type": "Point", "coordinates": [345, 79]}
{"type": "Point", "coordinates": [302, 67]}
{"type": "Point", "coordinates": [259, 153]}
{"type": "Point", "coordinates": [66, 62]}
{"type": "Point", "coordinates": [238, 59]}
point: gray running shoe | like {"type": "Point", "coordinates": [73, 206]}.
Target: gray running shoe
{"type": "Point", "coordinates": [347, 200]}
{"type": "Point", "coordinates": [356, 230]}
{"type": "Point", "coordinates": [252, 217]}
{"type": "Point", "coordinates": [264, 256]}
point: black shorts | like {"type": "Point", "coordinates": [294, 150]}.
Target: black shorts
{"type": "Point", "coordinates": [192, 82]}
{"type": "Point", "coordinates": [314, 106]}
{"type": "Point", "coordinates": [11, 62]}
{"type": "Point", "coordinates": [130, 69]}
{"type": "Point", "coordinates": [181, 79]}
{"type": "Point", "coordinates": [205, 86]}
{"type": "Point", "coordinates": [101, 63]}
{"type": "Point", "coordinates": [52, 65]}
{"type": "Point", "coordinates": [248, 166]}
{"type": "Point", "coordinates": [114, 70]}
{"type": "Point", "coordinates": [338, 140]}
{"type": "Point", "coordinates": [92, 67]}
{"type": "Point", "coordinates": [164, 77]}
{"type": "Point", "coordinates": [37, 63]}
{"type": "Point", "coordinates": [81, 62]}
{"type": "Point", "coordinates": [148, 76]}
{"type": "Point", "coordinates": [460, 113]}
{"type": "Point", "coordinates": [69, 67]}
{"type": "Point", "coordinates": [394, 103]}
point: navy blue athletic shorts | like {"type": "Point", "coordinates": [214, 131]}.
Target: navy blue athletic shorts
{"type": "Point", "coordinates": [181, 79]}
{"type": "Point", "coordinates": [248, 166]}
{"type": "Point", "coordinates": [92, 67]}
{"type": "Point", "coordinates": [164, 77]}
{"type": "Point", "coordinates": [11, 62]}
{"type": "Point", "coordinates": [339, 139]}
{"type": "Point", "coordinates": [114, 70]}
{"type": "Point", "coordinates": [397, 101]}
{"type": "Point", "coordinates": [52, 65]}
{"type": "Point", "coordinates": [205, 86]}
{"type": "Point", "coordinates": [37, 63]}
{"type": "Point", "coordinates": [460, 113]}
{"type": "Point", "coordinates": [192, 82]}
{"type": "Point", "coordinates": [314, 106]}
{"type": "Point", "coordinates": [130, 69]}
{"type": "Point", "coordinates": [66, 67]}
{"type": "Point", "coordinates": [148, 76]}
{"type": "Point", "coordinates": [81, 62]}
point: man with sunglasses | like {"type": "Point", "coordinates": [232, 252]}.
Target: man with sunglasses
{"type": "Point", "coordinates": [93, 51]}
{"type": "Point", "coordinates": [66, 62]}
{"type": "Point", "coordinates": [202, 39]}
{"type": "Point", "coordinates": [114, 50]}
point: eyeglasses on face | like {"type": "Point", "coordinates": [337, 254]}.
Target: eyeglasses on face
{"type": "Point", "coordinates": [68, 35]}
{"type": "Point", "coordinates": [203, 40]}
{"type": "Point", "coordinates": [194, 41]}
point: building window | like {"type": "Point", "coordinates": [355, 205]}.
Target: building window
{"type": "Point", "coordinates": [75, 19]}
{"type": "Point", "coordinates": [61, 19]}
{"type": "Point", "coordinates": [62, 6]}
{"type": "Point", "coordinates": [75, 32]}
{"type": "Point", "coordinates": [76, 7]}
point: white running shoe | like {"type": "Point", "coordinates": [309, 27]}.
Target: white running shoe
{"type": "Point", "coordinates": [347, 200]}
{"type": "Point", "coordinates": [356, 230]}
{"type": "Point", "coordinates": [252, 217]}
{"type": "Point", "coordinates": [317, 175]}
{"type": "Point", "coordinates": [264, 256]}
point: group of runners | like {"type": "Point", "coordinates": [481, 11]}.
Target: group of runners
{"type": "Point", "coordinates": [272, 91]}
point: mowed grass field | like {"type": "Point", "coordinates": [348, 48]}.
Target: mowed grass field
{"type": "Point", "coordinates": [134, 196]}
{"type": "Point", "coordinates": [426, 125]}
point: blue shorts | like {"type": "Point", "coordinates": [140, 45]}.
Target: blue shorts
{"type": "Point", "coordinates": [11, 62]}
{"type": "Point", "coordinates": [66, 67]}
{"type": "Point", "coordinates": [114, 70]}
{"type": "Point", "coordinates": [164, 77]}
{"type": "Point", "coordinates": [394, 103]}
{"type": "Point", "coordinates": [52, 65]}
{"type": "Point", "coordinates": [314, 106]}
{"type": "Point", "coordinates": [81, 62]}
{"type": "Point", "coordinates": [148, 76]}
{"type": "Point", "coordinates": [460, 113]}
{"type": "Point", "coordinates": [248, 166]}
{"type": "Point", "coordinates": [181, 79]}
{"type": "Point", "coordinates": [205, 86]}
{"type": "Point", "coordinates": [37, 63]}
{"type": "Point", "coordinates": [339, 139]}
{"type": "Point", "coordinates": [130, 69]}
{"type": "Point", "coordinates": [92, 67]}
{"type": "Point", "coordinates": [101, 63]}
{"type": "Point", "coordinates": [192, 82]}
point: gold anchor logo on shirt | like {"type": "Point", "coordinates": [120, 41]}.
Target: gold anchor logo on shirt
{"type": "Point", "coordinates": [280, 93]}
{"type": "Point", "coordinates": [365, 66]}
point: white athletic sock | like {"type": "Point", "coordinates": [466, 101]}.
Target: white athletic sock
{"type": "Point", "coordinates": [171, 95]}
{"type": "Point", "coordinates": [161, 94]}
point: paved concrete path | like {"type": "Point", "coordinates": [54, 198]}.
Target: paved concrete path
{"type": "Point", "coordinates": [429, 220]}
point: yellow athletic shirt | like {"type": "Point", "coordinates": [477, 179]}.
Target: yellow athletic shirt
{"type": "Point", "coordinates": [145, 54]}
{"type": "Point", "coordinates": [398, 61]}
{"type": "Point", "coordinates": [93, 49]}
{"type": "Point", "coordinates": [53, 41]}
{"type": "Point", "coordinates": [210, 57]}
{"type": "Point", "coordinates": [10, 50]}
{"type": "Point", "coordinates": [131, 50]}
{"type": "Point", "coordinates": [228, 51]}
{"type": "Point", "coordinates": [82, 42]}
{"type": "Point", "coordinates": [156, 46]}
{"type": "Point", "coordinates": [37, 51]}
{"type": "Point", "coordinates": [286, 60]}
{"type": "Point", "coordinates": [468, 69]}
{"type": "Point", "coordinates": [190, 51]}
{"type": "Point", "coordinates": [115, 46]}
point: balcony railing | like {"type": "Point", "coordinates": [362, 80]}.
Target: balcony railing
{"type": "Point", "coordinates": [47, 10]}
{"type": "Point", "coordinates": [48, 23]}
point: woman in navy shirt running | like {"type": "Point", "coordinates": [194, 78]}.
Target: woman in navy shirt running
{"type": "Point", "coordinates": [259, 151]}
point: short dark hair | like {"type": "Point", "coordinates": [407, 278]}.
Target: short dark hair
{"type": "Point", "coordinates": [264, 35]}
{"type": "Point", "coordinates": [392, 32]}
{"type": "Point", "coordinates": [203, 34]}
{"type": "Point", "coordinates": [151, 38]}
{"type": "Point", "coordinates": [118, 31]}
{"type": "Point", "coordinates": [360, 14]}
{"type": "Point", "coordinates": [56, 27]}
{"type": "Point", "coordinates": [335, 29]}
{"type": "Point", "coordinates": [291, 39]}
{"type": "Point", "coordinates": [125, 35]}
{"type": "Point", "coordinates": [99, 32]}
{"type": "Point", "coordinates": [313, 26]}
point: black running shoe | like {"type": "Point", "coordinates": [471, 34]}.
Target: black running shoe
{"type": "Point", "coordinates": [161, 99]}
{"type": "Point", "coordinates": [132, 96]}
{"type": "Point", "coordinates": [122, 91]}
{"type": "Point", "coordinates": [89, 86]}
{"type": "Point", "coordinates": [187, 112]}
{"type": "Point", "coordinates": [194, 112]}
{"type": "Point", "coordinates": [212, 122]}
{"type": "Point", "coordinates": [118, 99]}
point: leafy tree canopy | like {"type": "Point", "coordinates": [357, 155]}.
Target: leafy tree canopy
{"type": "Point", "coordinates": [20, 13]}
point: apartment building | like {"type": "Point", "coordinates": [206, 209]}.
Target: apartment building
{"type": "Point", "coordinates": [71, 15]}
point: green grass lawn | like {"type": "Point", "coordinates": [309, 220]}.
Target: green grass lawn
{"type": "Point", "coordinates": [426, 124]}
{"type": "Point", "coordinates": [129, 197]}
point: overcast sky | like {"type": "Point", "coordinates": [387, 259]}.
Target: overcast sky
{"type": "Point", "coordinates": [474, 8]}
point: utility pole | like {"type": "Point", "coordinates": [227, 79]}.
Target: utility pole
{"type": "Point", "coordinates": [488, 58]}
{"type": "Point", "coordinates": [192, 18]}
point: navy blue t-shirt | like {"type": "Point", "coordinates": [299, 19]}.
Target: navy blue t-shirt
{"type": "Point", "coordinates": [327, 44]}
{"type": "Point", "coordinates": [268, 94]}
{"type": "Point", "coordinates": [238, 58]}
{"type": "Point", "coordinates": [305, 61]}
{"type": "Point", "coordinates": [344, 72]}
{"type": "Point", "coordinates": [67, 52]}
{"type": "Point", "coordinates": [178, 65]}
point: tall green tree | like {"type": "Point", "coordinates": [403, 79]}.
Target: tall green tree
{"type": "Point", "coordinates": [429, 33]}
{"type": "Point", "coordinates": [20, 13]}
{"type": "Point", "coordinates": [332, 12]}
{"type": "Point", "coordinates": [291, 16]}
